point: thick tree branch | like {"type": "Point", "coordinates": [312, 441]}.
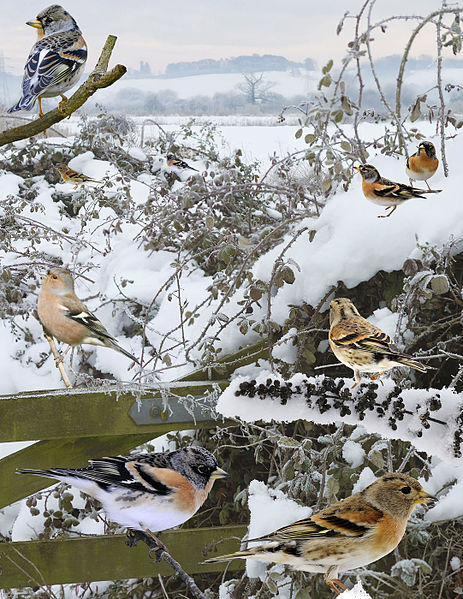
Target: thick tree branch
{"type": "Point", "coordinates": [98, 79]}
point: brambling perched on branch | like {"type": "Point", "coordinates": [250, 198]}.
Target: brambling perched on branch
{"type": "Point", "coordinates": [146, 491]}
{"type": "Point", "coordinates": [56, 61]}
{"type": "Point", "coordinates": [178, 166]}
{"type": "Point", "coordinates": [348, 534]}
{"type": "Point", "coordinates": [66, 318]}
{"type": "Point", "coordinates": [360, 345]}
{"type": "Point", "coordinates": [71, 176]}
{"type": "Point", "coordinates": [422, 165]}
{"type": "Point", "coordinates": [383, 192]}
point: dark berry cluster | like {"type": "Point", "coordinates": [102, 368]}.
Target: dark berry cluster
{"type": "Point", "coordinates": [329, 394]}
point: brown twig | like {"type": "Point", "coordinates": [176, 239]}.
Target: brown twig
{"type": "Point", "coordinates": [100, 78]}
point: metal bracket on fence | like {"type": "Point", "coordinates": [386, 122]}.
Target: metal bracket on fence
{"type": "Point", "coordinates": [158, 410]}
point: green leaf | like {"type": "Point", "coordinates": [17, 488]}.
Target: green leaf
{"type": "Point", "coordinates": [298, 134]}
{"type": "Point", "coordinates": [345, 145]}
{"type": "Point", "coordinates": [287, 442]}
{"type": "Point", "coordinates": [309, 138]}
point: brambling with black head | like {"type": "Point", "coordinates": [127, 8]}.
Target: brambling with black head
{"type": "Point", "coordinates": [178, 166]}
{"type": "Point", "coordinates": [147, 491]}
{"type": "Point", "coordinates": [360, 345]}
{"type": "Point", "coordinates": [66, 318]}
{"type": "Point", "coordinates": [56, 61]}
{"type": "Point", "coordinates": [348, 534]}
{"type": "Point", "coordinates": [71, 176]}
{"type": "Point", "coordinates": [422, 165]}
{"type": "Point", "coordinates": [386, 193]}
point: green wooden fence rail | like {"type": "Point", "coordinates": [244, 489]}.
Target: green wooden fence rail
{"type": "Point", "coordinates": [71, 560]}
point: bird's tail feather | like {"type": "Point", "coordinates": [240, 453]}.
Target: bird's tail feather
{"type": "Point", "coordinates": [125, 352]}
{"type": "Point", "coordinates": [251, 552]}
{"type": "Point", "coordinates": [412, 363]}
{"type": "Point", "coordinates": [55, 473]}
{"type": "Point", "coordinates": [24, 103]}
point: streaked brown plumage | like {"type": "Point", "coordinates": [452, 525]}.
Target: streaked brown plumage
{"type": "Point", "coordinates": [360, 345]}
{"type": "Point", "coordinates": [348, 534]}
{"type": "Point", "coordinates": [71, 176]}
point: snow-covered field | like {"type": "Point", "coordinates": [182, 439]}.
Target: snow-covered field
{"type": "Point", "coordinates": [284, 83]}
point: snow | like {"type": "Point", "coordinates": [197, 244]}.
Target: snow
{"type": "Point", "coordinates": [353, 453]}
{"type": "Point", "coordinates": [357, 592]}
{"type": "Point", "coordinates": [270, 509]}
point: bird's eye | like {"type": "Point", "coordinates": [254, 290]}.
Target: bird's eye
{"type": "Point", "coordinates": [54, 276]}
{"type": "Point", "coordinates": [406, 490]}
{"type": "Point", "coordinates": [201, 469]}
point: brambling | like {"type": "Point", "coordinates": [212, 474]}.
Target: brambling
{"type": "Point", "coordinates": [348, 534]}
{"type": "Point", "coordinates": [383, 192]}
{"type": "Point", "coordinates": [360, 345]}
{"type": "Point", "coordinates": [423, 164]}
{"type": "Point", "coordinates": [71, 176]}
{"type": "Point", "coordinates": [66, 318]}
{"type": "Point", "coordinates": [178, 166]}
{"type": "Point", "coordinates": [55, 62]}
{"type": "Point", "coordinates": [146, 491]}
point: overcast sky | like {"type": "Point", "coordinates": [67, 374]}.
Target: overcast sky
{"type": "Point", "coordinates": [184, 30]}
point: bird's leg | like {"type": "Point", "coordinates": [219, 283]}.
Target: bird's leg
{"type": "Point", "coordinates": [59, 365]}
{"type": "Point", "coordinates": [159, 547]}
{"type": "Point", "coordinates": [388, 208]}
{"type": "Point", "coordinates": [39, 99]}
{"type": "Point", "coordinates": [373, 377]}
{"type": "Point", "coordinates": [428, 185]}
{"type": "Point", "coordinates": [333, 583]}
{"type": "Point", "coordinates": [411, 182]}
{"type": "Point", "coordinates": [60, 357]}
{"type": "Point", "coordinates": [60, 105]}
{"type": "Point", "coordinates": [357, 378]}
{"type": "Point", "coordinates": [160, 544]}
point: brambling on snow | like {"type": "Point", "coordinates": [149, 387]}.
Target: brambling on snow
{"type": "Point", "coordinates": [147, 491]}
{"type": "Point", "coordinates": [66, 318]}
{"type": "Point", "coordinates": [360, 345]}
{"type": "Point", "coordinates": [348, 534]}
{"type": "Point", "coordinates": [178, 166]}
{"type": "Point", "coordinates": [71, 176]}
{"type": "Point", "coordinates": [423, 164]}
{"type": "Point", "coordinates": [383, 192]}
{"type": "Point", "coordinates": [55, 62]}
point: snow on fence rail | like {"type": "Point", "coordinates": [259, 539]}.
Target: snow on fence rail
{"type": "Point", "coordinates": [432, 420]}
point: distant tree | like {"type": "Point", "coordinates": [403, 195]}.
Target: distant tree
{"type": "Point", "coordinates": [309, 64]}
{"type": "Point", "coordinates": [255, 88]}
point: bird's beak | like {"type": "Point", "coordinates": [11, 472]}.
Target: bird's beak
{"type": "Point", "coordinates": [36, 24]}
{"type": "Point", "coordinates": [357, 168]}
{"type": "Point", "coordinates": [425, 497]}
{"type": "Point", "coordinates": [219, 473]}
